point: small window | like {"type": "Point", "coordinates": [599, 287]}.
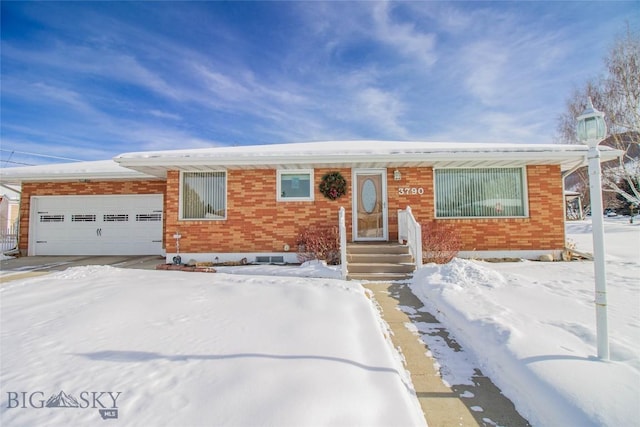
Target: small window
{"type": "Point", "coordinates": [115, 218]}
{"type": "Point", "coordinates": [487, 193]}
{"type": "Point", "coordinates": [260, 259]}
{"type": "Point", "coordinates": [51, 218]}
{"type": "Point", "coordinates": [203, 195]}
{"type": "Point", "coordinates": [295, 185]}
{"type": "Point", "coordinates": [149, 217]}
{"type": "Point", "coordinates": [83, 218]}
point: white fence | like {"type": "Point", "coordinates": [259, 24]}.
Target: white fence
{"type": "Point", "coordinates": [410, 231]}
{"type": "Point", "coordinates": [9, 238]}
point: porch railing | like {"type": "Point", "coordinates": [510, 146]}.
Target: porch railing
{"type": "Point", "coordinates": [411, 232]}
{"type": "Point", "coordinates": [9, 238]}
{"type": "Point", "coordinates": [342, 227]}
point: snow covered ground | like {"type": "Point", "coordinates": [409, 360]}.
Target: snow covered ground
{"type": "Point", "coordinates": [530, 326]}
{"type": "Point", "coordinates": [267, 345]}
{"type": "Point", "coordinates": [193, 349]}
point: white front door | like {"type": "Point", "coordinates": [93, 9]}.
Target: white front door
{"type": "Point", "coordinates": [96, 225]}
{"type": "Point", "coordinates": [370, 205]}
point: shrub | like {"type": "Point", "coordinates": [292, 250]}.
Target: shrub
{"type": "Point", "coordinates": [441, 242]}
{"type": "Point", "coordinates": [319, 242]}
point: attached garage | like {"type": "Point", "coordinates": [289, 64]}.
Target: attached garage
{"type": "Point", "coordinates": [88, 208]}
{"type": "Point", "coordinates": [96, 225]}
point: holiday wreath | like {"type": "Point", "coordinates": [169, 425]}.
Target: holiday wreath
{"type": "Point", "coordinates": [333, 185]}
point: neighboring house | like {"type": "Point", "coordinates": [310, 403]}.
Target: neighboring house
{"type": "Point", "coordinates": [4, 212]}
{"type": "Point", "coordinates": [9, 204]}
{"type": "Point", "coordinates": [573, 200]}
{"type": "Point", "coordinates": [243, 202]}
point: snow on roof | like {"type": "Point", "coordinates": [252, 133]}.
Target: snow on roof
{"type": "Point", "coordinates": [360, 154]}
{"type": "Point", "coordinates": [101, 169]}
{"type": "Point", "coordinates": [338, 148]}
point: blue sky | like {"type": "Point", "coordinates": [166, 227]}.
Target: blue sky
{"type": "Point", "coordinates": [90, 80]}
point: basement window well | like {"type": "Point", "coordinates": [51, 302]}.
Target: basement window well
{"type": "Point", "coordinates": [269, 259]}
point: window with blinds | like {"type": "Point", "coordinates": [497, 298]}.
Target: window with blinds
{"type": "Point", "coordinates": [204, 195]}
{"type": "Point", "coordinates": [472, 193]}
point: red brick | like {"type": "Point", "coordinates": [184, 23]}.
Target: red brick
{"type": "Point", "coordinates": [256, 222]}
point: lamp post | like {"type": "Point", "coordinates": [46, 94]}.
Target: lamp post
{"type": "Point", "coordinates": [591, 130]}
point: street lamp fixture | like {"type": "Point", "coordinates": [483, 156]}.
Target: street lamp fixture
{"type": "Point", "coordinates": [591, 129]}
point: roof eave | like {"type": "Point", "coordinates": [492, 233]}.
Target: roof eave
{"type": "Point", "coordinates": [19, 179]}
{"type": "Point", "coordinates": [566, 159]}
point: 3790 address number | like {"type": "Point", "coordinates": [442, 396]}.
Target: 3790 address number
{"type": "Point", "coordinates": [410, 191]}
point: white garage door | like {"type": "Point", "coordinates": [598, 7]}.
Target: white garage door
{"type": "Point", "coordinates": [96, 225]}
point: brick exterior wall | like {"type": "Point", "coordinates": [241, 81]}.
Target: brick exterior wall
{"type": "Point", "coordinates": [93, 188]}
{"type": "Point", "coordinates": [422, 205]}
{"type": "Point", "coordinates": [543, 229]}
{"type": "Point", "coordinates": [256, 222]}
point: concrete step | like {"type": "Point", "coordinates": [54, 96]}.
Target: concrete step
{"type": "Point", "coordinates": [361, 258]}
{"type": "Point", "coordinates": [378, 277]}
{"type": "Point", "coordinates": [380, 268]}
{"type": "Point", "coordinates": [379, 261]}
{"type": "Point", "coordinates": [376, 248]}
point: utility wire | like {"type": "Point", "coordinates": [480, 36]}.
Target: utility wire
{"type": "Point", "coordinates": [17, 163]}
{"type": "Point", "coordinates": [40, 155]}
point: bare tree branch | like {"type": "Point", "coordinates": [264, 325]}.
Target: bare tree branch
{"type": "Point", "coordinates": [617, 94]}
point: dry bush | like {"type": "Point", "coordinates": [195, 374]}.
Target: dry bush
{"type": "Point", "coordinates": [441, 242]}
{"type": "Point", "coordinates": [319, 242]}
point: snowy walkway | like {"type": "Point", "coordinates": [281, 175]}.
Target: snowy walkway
{"type": "Point", "coordinates": [480, 404]}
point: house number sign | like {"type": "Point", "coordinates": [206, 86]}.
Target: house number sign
{"type": "Point", "coordinates": [410, 191]}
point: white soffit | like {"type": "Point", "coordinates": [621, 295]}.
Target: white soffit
{"type": "Point", "coordinates": [96, 170]}
{"type": "Point", "coordinates": [363, 154]}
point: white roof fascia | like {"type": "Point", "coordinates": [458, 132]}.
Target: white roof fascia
{"type": "Point", "coordinates": [96, 170]}
{"type": "Point", "coordinates": [523, 154]}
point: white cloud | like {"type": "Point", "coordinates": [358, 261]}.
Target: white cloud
{"type": "Point", "coordinates": [86, 61]}
{"type": "Point", "coordinates": [58, 95]}
{"type": "Point", "coordinates": [382, 110]}
{"type": "Point", "coordinates": [224, 87]}
{"type": "Point", "coordinates": [409, 41]}
{"type": "Point", "coordinates": [485, 63]}
{"type": "Point", "coordinates": [468, 71]}
{"type": "Point", "coordinates": [165, 115]}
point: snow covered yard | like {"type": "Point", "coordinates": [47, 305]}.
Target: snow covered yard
{"type": "Point", "coordinates": [530, 326]}
{"type": "Point", "coordinates": [194, 349]}
{"type": "Point", "coordinates": [270, 345]}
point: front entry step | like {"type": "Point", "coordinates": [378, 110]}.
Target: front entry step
{"type": "Point", "coordinates": [379, 262]}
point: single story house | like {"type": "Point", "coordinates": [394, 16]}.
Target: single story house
{"type": "Point", "coordinates": [229, 203]}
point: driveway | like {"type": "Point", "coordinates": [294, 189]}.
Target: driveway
{"type": "Point", "coordinates": [21, 267]}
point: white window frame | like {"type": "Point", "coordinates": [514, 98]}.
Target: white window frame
{"type": "Point", "coordinates": [525, 194]}
{"type": "Point", "coordinates": [180, 195]}
{"type": "Point", "coordinates": [281, 172]}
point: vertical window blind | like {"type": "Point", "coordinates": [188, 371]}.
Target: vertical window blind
{"type": "Point", "coordinates": [493, 192]}
{"type": "Point", "coordinates": [204, 195]}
